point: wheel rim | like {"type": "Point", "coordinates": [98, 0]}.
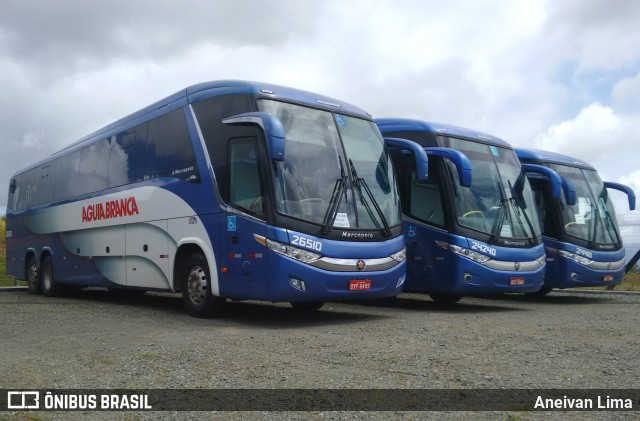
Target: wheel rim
{"type": "Point", "coordinates": [46, 278]}
{"type": "Point", "coordinates": [33, 275]}
{"type": "Point", "coordinates": [197, 285]}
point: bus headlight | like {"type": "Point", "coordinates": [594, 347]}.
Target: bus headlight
{"type": "Point", "coordinates": [295, 253]}
{"type": "Point", "coordinates": [576, 258]}
{"type": "Point", "coordinates": [475, 256]}
{"type": "Point", "coordinates": [400, 256]}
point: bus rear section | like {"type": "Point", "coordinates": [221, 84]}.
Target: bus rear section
{"type": "Point", "coordinates": [226, 189]}
{"type": "Point", "coordinates": [471, 224]}
{"type": "Point", "coordinates": [580, 230]}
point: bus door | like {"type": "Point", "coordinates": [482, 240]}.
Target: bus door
{"type": "Point", "coordinates": [246, 258]}
{"type": "Point", "coordinates": [425, 232]}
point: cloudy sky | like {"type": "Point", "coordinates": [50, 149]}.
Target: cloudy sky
{"type": "Point", "coordinates": [562, 75]}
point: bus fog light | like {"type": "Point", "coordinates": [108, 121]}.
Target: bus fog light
{"type": "Point", "coordinates": [574, 276]}
{"type": "Point", "coordinates": [297, 284]}
{"type": "Point", "coordinates": [400, 281]}
{"type": "Point", "coordinates": [467, 278]}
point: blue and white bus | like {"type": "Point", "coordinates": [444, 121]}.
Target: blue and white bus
{"type": "Point", "coordinates": [581, 235]}
{"type": "Point", "coordinates": [225, 189]}
{"type": "Point", "coordinates": [471, 225]}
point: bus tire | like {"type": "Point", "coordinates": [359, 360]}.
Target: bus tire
{"type": "Point", "coordinates": [307, 305]}
{"type": "Point", "coordinates": [445, 297]}
{"type": "Point", "coordinates": [196, 291]}
{"type": "Point", "coordinates": [33, 279]}
{"type": "Point", "coordinates": [540, 293]}
{"type": "Point", "coordinates": [47, 278]}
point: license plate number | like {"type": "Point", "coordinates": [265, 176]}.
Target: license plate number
{"type": "Point", "coordinates": [516, 281]}
{"type": "Point", "coordinates": [607, 278]}
{"type": "Point", "coordinates": [359, 284]}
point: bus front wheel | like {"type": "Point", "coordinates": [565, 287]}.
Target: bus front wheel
{"type": "Point", "coordinates": [196, 289]}
{"type": "Point", "coordinates": [307, 305]}
{"type": "Point", "coordinates": [33, 280]}
{"type": "Point", "coordinates": [47, 279]}
{"type": "Point", "coordinates": [445, 297]}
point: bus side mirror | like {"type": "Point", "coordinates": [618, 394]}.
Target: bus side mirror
{"type": "Point", "coordinates": [12, 186]}
{"type": "Point", "coordinates": [569, 191]}
{"type": "Point", "coordinates": [422, 160]}
{"type": "Point", "coordinates": [557, 182]}
{"type": "Point", "coordinates": [271, 126]}
{"type": "Point", "coordinates": [621, 187]}
{"type": "Point", "coordinates": [459, 159]}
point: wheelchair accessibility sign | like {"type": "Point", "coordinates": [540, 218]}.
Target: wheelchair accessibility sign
{"type": "Point", "coordinates": [231, 223]}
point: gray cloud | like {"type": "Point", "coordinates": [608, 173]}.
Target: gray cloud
{"type": "Point", "coordinates": [513, 69]}
{"type": "Point", "coordinates": [54, 39]}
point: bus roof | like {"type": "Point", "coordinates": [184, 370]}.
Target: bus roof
{"type": "Point", "coordinates": [545, 157]}
{"type": "Point", "coordinates": [402, 124]}
{"type": "Point", "coordinates": [204, 90]}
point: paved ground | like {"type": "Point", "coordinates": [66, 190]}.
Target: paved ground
{"type": "Point", "coordinates": [92, 340]}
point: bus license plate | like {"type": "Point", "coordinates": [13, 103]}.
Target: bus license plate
{"type": "Point", "coordinates": [607, 278]}
{"type": "Point", "coordinates": [359, 284]}
{"type": "Point", "coordinates": [516, 281]}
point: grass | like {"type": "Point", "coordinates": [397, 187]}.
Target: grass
{"type": "Point", "coordinates": [4, 279]}
{"type": "Point", "coordinates": [631, 282]}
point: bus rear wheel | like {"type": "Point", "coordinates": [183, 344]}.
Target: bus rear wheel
{"type": "Point", "coordinates": [307, 305]}
{"type": "Point", "coordinates": [47, 279]}
{"type": "Point", "coordinates": [445, 297]}
{"type": "Point", "coordinates": [33, 280]}
{"type": "Point", "coordinates": [196, 289]}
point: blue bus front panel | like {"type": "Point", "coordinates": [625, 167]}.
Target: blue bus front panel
{"type": "Point", "coordinates": [432, 266]}
{"type": "Point", "coordinates": [569, 266]}
{"type": "Point", "coordinates": [342, 271]}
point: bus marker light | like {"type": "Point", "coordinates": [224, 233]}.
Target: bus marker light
{"type": "Point", "coordinates": [224, 270]}
{"type": "Point", "coordinates": [297, 284]}
{"type": "Point", "coordinates": [516, 281]}
{"type": "Point", "coordinates": [359, 284]}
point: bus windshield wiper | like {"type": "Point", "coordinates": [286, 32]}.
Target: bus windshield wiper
{"type": "Point", "coordinates": [339, 189]}
{"type": "Point", "coordinates": [519, 206]}
{"type": "Point", "coordinates": [359, 182]}
{"type": "Point", "coordinates": [502, 212]}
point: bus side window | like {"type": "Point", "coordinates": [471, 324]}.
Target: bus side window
{"type": "Point", "coordinates": [44, 184]}
{"type": "Point", "coordinates": [170, 152]}
{"type": "Point", "coordinates": [245, 190]}
{"type": "Point", "coordinates": [127, 159]}
{"type": "Point", "coordinates": [426, 200]}
{"type": "Point", "coordinates": [94, 162]}
{"type": "Point", "coordinates": [24, 196]}
{"type": "Point", "coordinates": [66, 179]}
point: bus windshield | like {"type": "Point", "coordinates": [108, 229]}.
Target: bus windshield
{"type": "Point", "coordinates": [499, 201]}
{"type": "Point", "coordinates": [592, 217]}
{"type": "Point", "coordinates": [335, 171]}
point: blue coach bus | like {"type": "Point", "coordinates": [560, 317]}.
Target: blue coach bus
{"type": "Point", "coordinates": [225, 189]}
{"type": "Point", "coordinates": [471, 226]}
{"type": "Point", "coordinates": [581, 236]}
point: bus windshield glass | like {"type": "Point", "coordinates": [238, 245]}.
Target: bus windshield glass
{"type": "Point", "coordinates": [335, 169]}
{"type": "Point", "coordinates": [592, 217]}
{"type": "Point", "coordinates": [499, 201]}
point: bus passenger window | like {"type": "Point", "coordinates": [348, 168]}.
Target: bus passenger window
{"type": "Point", "coordinates": [94, 162]}
{"type": "Point", "coordinates": [128, 156]}
{"type": "Point", "coordinates": [170, 152]}
{"type": "Point", "coordinates": [245, 189]}
{"type": "Point", "coordinates": [66, 179]}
